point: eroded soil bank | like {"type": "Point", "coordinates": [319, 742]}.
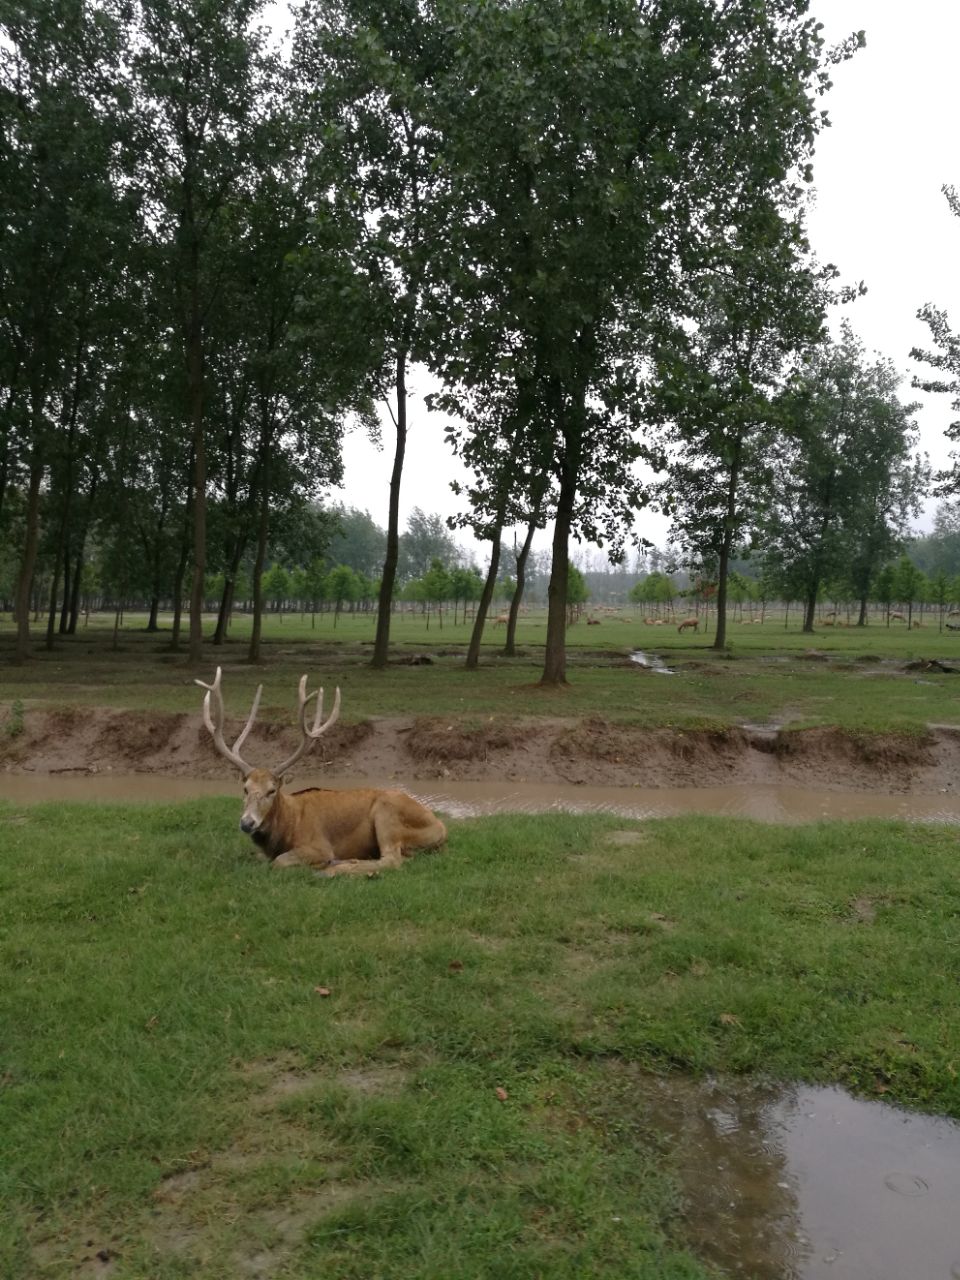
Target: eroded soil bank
{"type": "Point", "coordinates": [561, 752]}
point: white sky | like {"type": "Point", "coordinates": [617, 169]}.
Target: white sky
{"type": "Point", "coordinates": [879, 216]}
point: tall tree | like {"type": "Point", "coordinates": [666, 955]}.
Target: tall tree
{"type": "Point", "coordinates": [844, 476]}
{"type": "Point", "coordinates": [598, 155]}
{"type": "Point", "coordinates": [757, 306]}
{"type": "Point", "coordinates": [368, 73]}
{"type": "Point", "coordinates": [202, 78]}
{"type": "Point", "coordinates": [61, 125]}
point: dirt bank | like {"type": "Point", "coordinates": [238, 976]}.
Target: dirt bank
{"type": "Point", "coordinates": [564, 751]}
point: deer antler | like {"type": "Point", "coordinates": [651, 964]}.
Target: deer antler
{"type": "Point", "coordinates": [317, 731]}
{"type": "Point", "coordinates": [215, 724]}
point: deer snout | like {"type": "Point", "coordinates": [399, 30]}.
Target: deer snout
{"type": "Point", "coordinates": [247, 825]}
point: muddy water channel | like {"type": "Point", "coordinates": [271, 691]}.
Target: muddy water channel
{"type": "Point", "coordinates": [810, 1184]}
{"type": "Point", "coordinates": [458, 799]}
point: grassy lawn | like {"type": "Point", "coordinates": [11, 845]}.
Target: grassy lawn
{"type": "Point", "coordinates": [178, 1091]}
{"type": "Point", "coordinates": [861, 685]}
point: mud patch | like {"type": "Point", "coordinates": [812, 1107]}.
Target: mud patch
{"type": "Point", "coordinates": [885, 752]}
{"type": "Point", "coordinates": [626, 838]}
{"type": "Point", "coordinates": [442, 741]}
{"type": "Point", "coordinates": [546, 751]}
{"type": "Point", "coordinates": [373, 1080]}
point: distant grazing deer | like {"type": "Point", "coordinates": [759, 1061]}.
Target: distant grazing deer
{"type": "Point", "coordinates": [689, 622]}
{"type": "Point", "coordinates": [897, 617]}
{"type": "Point", "coordinates": [501, 620]}
{"type": "Point", "coordinates": [337, 832]}
{"type": "Point", "coordinates": [593, 622]}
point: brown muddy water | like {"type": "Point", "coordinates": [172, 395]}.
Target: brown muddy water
{"type": "Point", "coordinates": [810, 1184]}
{"type": "Point", "coordinates": [458, 799]}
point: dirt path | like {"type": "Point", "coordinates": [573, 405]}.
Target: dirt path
{"type": "Point", "coordinates": [558, 751]}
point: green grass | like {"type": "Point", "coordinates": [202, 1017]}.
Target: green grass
{"type": "Point", "coordinates": [174, 1089]}
{"type": "Point", "coordinates": [765, 677]}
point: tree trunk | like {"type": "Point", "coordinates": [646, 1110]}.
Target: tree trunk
{"type": "Point", "coordinates": [510, 644]}
{"type": "Point", "coordinates": [178, 578]}
{"type": "Point", "coordinates": [555, 660]}
{"type": "Point", "coordinates": [486, 595]}
{"type": "Point", "coordinates": [64, 624]}
{"type": "Point", "coordinates": [253, 653]}
{"type": "Point", "coordinates": [862, 620]}
{"type": "Point", "coordinates": [52, 614]}
{"type": "Point", "coordinates": [226, 600]}
{"type": "Point", "coordinates": [381, 644]}
{"type": "Point", "coordinates": [810, 610]}
{"type": "Point", "coordinates": [195, 396]}
{"type": "Point", "coordinates": [723, 567]}
{"type": "Point", "coordinates": [28, 562]}
{"type": "Point", "coordinates": [75, 588]}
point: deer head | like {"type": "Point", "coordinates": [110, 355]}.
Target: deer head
{"type": "Point", "coordinates": [261, 787]}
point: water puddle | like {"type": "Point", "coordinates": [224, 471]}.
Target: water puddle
{"type": "Point", "coordinates": [810, 1184]}
{"type": "Point", "coordinates": [652, 662]}
{"type": "Point", "coordinates": [763, 802]}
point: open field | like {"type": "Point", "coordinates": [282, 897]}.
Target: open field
{"type": "Point", "coordinates": [179, 1096]}
{"type": "Point", "coordinates": [858, 683]}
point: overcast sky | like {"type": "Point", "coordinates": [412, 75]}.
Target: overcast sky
{"type": "Point", "coordinates": [879, 216]}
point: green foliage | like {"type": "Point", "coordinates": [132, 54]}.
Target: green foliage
{"type": "Point", "coordinates": [14, 725]}
{"type": "Point", "coordinates": [342, 586]}
{"type": "Point", "coordinates": [655, 588]}
{"type": "Point", "coordinates": [276, 585]}
{"type": "Point", "coordinates": [577, 591]}
{"type": "Point", "coordinates": [908, 581]}
{"type": "Point", "coordinates": [845, 477]}
{"type": "Point", "coordinates": [436, 582]}
{"type": "Point", "coordinates": [426, 541]}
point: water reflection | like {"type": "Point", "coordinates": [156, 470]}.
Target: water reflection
{"type": "Point", "coordinates": [652, 662]}
{"type": "Point", "coordinates": [810, 1184]}
{"type": "Point", "coordinates": [765, 802]}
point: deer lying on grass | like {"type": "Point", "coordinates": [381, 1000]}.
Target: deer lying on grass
{"type": "Point", "coordinates": [337, 832]}
{"type": "Point", "coordinates": [689, 622]}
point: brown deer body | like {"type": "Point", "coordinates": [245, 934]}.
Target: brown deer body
{"type": "Point", "coordinates": [336, 832]}
{"type": "Point", "coordinates": [689, 622]}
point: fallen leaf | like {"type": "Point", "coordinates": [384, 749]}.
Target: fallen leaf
{"type": "Point", "coordinates": [152, 1022]}
{"type": "Point", "coordinates": [322, 991]}
{"type": "Point", "coordinates": [502, 1094]}
{"type": "Point", "coordinates": [730, 1020]}
{"type": "Point", "coordinates": [455, 965]}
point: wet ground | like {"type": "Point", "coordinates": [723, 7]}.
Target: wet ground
{"type": "Point", "coordinates": [652, 661]}
{"type": "Point", "coordinates": [462, 799]}
{"type": "Point", "coordinates": [810, 1184]}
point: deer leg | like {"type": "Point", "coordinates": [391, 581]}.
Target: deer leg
{"type": "Point", "coordinates": [318, 854]}
{"type": "Point", "coordinates": [357, 867]}
{"type": "Point", "coordinates": [397, 836]}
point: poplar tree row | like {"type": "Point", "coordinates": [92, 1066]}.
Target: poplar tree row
{"type": "Point", "coordinates": [584, 217]}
